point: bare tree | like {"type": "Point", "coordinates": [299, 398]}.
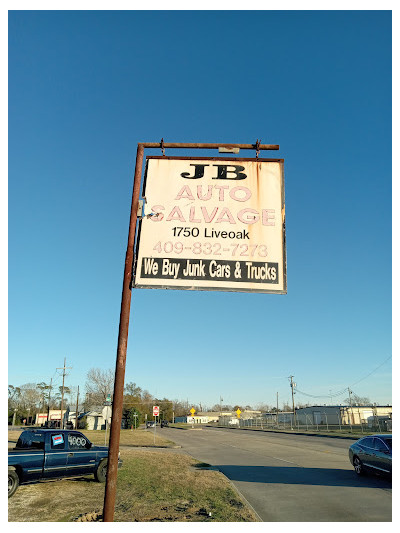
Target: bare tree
{"type": "Point", "coordinates": [99, 383]}
{"type": "Point", "coordinates": [264, 407]}
{"type": "Point", "coordinates": [30, 397]}
{"type": "Point", "coordinates": [361, 400]}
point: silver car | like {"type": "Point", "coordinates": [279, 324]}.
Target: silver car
{"type": "Point", "coordinates": [372, 453]}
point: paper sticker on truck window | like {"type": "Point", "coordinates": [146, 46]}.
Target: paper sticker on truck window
{"type": "Point", "coordinates": [57, 439]}
{"type": "Point", "coordinates": [76, 441]}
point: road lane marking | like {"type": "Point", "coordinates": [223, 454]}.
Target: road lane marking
{"type": "Point", "coordinates": [285, 461]}
{"type": "Point", "coordinates": [271, 456]}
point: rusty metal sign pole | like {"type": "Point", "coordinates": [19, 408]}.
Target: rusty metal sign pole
{"type": "Point", "coordinates": [112, 467]}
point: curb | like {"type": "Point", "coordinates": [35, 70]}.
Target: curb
{"type": "Point", "coordinates": [354, 437]}
{"type": "Point", "coordinates": [215, 469]}
{"type": "Point", "coordinates": [259, 519]}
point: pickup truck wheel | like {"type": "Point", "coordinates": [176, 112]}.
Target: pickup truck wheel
{"type": "Point", "coordinates": [13, 482]}
{"type": "Point", "coordinates": [101, 472]}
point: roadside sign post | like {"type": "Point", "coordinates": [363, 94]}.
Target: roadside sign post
{"type": "Point", "coordinates": [106, 412]}
{"type": "Point", "coordinates": [237, 277]}
{"type": "Point", "coordinates": [192, 410]}
{"type": "Point", "coordinates": [156, 413]}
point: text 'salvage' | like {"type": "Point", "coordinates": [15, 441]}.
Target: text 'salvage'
{"type": "Point", "coordinates": [199, 214]}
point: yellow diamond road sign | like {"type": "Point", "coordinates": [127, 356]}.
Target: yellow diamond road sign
{"type": "Point", "coordinates": [192, 411]}
{"type": "Point", "coordinates": [238, 412]}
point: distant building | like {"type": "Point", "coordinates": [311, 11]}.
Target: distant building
{"type": "Point", "coordinates": [96, 419]}
{"type": "Point", "coordinates": [368, 415]}
{"type": "Point", "coordinates": [54, 417]}
{"type": "Point", "coordinates": [215, 416]}
{"type": "Point", "coordinates": [200, 418]}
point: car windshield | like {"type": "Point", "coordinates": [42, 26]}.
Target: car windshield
{"type": "Point", "coordinates": [388, 442]}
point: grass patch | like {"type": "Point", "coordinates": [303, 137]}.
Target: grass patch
{"type": "Point", "coordinates": [137, 437]}
{"type": "Point", "coordinates": [153, 486]}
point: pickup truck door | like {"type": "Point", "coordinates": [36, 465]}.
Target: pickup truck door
{"type": "Point", "coordinates": [55, 460]}
{"type": "Point", "coordinates": [80, 459]}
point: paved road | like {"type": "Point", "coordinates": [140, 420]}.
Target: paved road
{"type": "Point", "coordinates": [291, 478]}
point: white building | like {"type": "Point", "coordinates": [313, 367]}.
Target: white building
{"type": "Point", "coordinates": [54, 417]}
{"type": "Point", "coordinates": [339, 415]}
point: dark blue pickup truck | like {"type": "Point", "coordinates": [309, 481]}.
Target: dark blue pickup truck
{"type": "Point", "coordinates": [50, 454]}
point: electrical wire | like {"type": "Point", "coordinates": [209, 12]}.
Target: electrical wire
{"type": "Point", "coordinates": [343, 391]}
{"type": "Point", "coordinates": [365, 377]}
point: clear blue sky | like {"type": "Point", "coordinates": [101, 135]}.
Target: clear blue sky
{"type": "Point", "coordinates": [86, 87]}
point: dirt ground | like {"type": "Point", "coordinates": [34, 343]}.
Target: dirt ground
{"type": "Point", "coordinates": [154, 485]}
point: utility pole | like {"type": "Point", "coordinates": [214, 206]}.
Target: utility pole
{"type": "Point", "coordinates": [277, 410]}
{"type": "Point", "coordinates": [292, 386]}
{"type": "Point", "coordinates": [351, 408]}
{"type": "Point", "coordinates": [43, 400]}
{"type": "Point", "coordinates": [62, 393]}
{"type": "Point", "coordinates": [76, 411]}
{"type": "Point", "coordinates": [48, 404]}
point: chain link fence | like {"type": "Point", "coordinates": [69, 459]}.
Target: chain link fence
{"type": "Point", "coordinates": [306, 423]}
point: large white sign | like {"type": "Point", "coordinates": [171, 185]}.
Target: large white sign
{"type": "Point", "coordinates": [212, 224]}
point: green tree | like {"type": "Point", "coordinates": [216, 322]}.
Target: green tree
{"type": "Point", "coordinates": [134, 418]}
{"type": "Point", "coordinates": [43, 389]}
{"type": "Point", "coordinates": [14, 394]}
{"type": "Point", "coordinates": [165, 409]}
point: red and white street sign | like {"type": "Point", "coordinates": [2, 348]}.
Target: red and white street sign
{"type": "Point", "coordinates": [156, 410]}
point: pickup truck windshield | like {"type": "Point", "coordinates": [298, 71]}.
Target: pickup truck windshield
{"type": "Point", "coordinates": [30, 439]}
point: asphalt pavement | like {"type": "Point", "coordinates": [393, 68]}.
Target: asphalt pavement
{"type": "Point", "coordinates": [291, 478]}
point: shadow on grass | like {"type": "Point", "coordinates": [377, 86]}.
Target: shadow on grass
{"type": "Point", "coordinates": [88, 478]}
{"type": "Point", "coordinates": [200, 466]}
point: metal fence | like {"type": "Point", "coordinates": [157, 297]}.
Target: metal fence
{"type": "Point", "coordinates": [286, 421]}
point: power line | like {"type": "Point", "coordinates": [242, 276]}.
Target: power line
{"type": "Point", "coordinates": [342, 391]}
{"type": "Point", "coordinates": [365, 377]}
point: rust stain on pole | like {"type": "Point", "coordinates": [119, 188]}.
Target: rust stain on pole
{"type": "Point", "coordinates": [112, 468]}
